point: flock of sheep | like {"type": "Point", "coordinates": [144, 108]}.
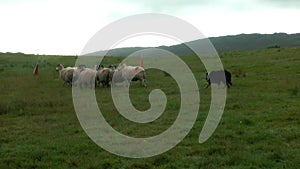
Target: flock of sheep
{"type": "Point", "coordinates": [84, 77]}
{"type": "Point", "coordinates": [100, 76]}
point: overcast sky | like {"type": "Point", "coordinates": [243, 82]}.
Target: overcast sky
{"type": "Point", "coordinates": [64, 26]}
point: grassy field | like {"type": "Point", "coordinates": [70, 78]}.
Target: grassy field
{"type": "Point", "coordinates": [260, 127]}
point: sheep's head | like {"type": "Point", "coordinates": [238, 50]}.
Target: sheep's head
{"type": "Point", "coordinates": [59, 67]}
{"type": "Point", "coordinates": [81, 67]}
{"type": "Point", "coordinates": [112, 67]}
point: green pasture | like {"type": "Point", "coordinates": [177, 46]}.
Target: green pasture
{"type": "Point", "coordinates": [260, 127]}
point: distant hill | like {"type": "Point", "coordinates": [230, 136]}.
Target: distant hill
{"type": "Point", "coordinates": [223, 44]}
{"type": "Point", "coordinates": [255, 41]}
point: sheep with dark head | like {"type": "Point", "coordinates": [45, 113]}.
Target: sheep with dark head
{"type": "Point", "coordinates": [102, 76]}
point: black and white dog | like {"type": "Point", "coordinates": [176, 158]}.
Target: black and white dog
{"type": "Point", "coordinates": [218, 77]}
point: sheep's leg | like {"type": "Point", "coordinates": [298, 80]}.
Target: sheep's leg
{"type": "Point", "coordinates": [74, 83]}
{"type": "Point", "coordinates": [107, 84]}
{"type": "Point", "coordinates": [71, 83]}
{"type": "Point", "coordinates": [127, 83]}
{"type": "Point", "coordinates": [144, 82]}
{"type": "Point", "coordinates": [107, 81]}
{"type": "Point", "coordinates": [113, 84]}
{"type": "Point", "coordinates": [104, 84]}
{"type": "Point", "coordinates": [96, 82]}
{"type": "Point", "coordinates": [92, 84]}
{"type": "Point", "coordinates": [80, 84]}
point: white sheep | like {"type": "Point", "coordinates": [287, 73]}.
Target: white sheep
{"type": "Point", "coordinates": [66, 74]}
{"type": "Point", "coordinates": [133, 73]}
{"type": "Point", "coordinates": [86, 78]}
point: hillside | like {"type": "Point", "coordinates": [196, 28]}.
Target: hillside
{"type": "Point", "coordinates": [224, 44]}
